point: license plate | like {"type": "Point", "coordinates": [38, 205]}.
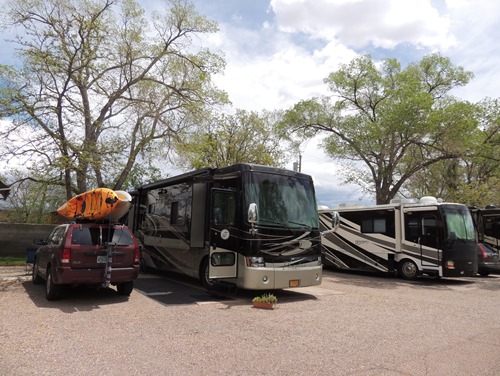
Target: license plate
{"type": "Point", "coordinates": [102, 259]}
{"type": "Point", "coordinates": [294, 283]}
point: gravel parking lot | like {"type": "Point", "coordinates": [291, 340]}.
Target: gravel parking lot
{"type": "Point", "coordinates": [350, 325]}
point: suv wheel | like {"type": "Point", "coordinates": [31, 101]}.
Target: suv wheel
{"type": "Point", "coordinates": [35, 277]}
{"type": "Point", "coordinates": [125, 288]}
{"type": "Point", "coordinates": [52, 291]}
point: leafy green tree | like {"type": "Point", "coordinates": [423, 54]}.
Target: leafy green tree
{"type": "Point", "coordinates": [101, 87]}
{"type": "Point", "coordinates": [388, 123]}
{"type": "Point", "coordinates": [472, 179]}
{"type": "Point", "coordinates": [244, 136]}
{"type": "Point", "coordinates": [31, 201]}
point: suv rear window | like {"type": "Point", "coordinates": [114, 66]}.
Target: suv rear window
{"type": "Point", "coordinates": [101, 236]}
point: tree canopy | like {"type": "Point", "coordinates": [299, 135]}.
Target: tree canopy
{"type": "Point", "coordinates": [245, 136]}
{"type": "Point", "coordinates": [386, 123]}
{"type": "Point", "coordinates": [473, 178]}
{"type": "Point", "coordinates": [100, 87]}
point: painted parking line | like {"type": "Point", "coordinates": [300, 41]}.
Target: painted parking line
{"type": "Point", "coordinates": [170, 292]}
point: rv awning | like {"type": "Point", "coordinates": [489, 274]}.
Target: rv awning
{"type": "Point", "coordinates": [4, 190]}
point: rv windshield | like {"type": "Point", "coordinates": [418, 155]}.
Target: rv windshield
{"type": "Point", "coordinates": [282, 200]}
{"type": "Point", "coordinates": [459, 221]}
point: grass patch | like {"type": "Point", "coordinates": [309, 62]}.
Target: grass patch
{"type": "Point", "coordinates": [12, 261]}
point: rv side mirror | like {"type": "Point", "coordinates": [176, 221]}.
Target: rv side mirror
{"type": "Point", "coordinates": [252, 213]}
{"type": "Point", "coordinates": [453, 236]}
{"type": "Point", "coordinates": [335, 220]}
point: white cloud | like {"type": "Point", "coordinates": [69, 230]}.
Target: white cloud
{"type": "Point", "coordinates": [275, 73]}
{"type": "Point", "coordinates": [476, 25]}
{"type": "Point", "coordinates": [358, 23]}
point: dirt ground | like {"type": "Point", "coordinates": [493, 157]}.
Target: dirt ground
{"type": "Point", "coordinates": [22, 272]}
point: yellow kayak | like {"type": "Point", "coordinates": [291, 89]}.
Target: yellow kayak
{"type": "Point", "coordinates": [97, 204]}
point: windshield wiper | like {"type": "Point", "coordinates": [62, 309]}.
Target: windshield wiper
{"type": "Point", "coordinates": [301, 224]}
{"type": "Point", "coordinates": [273, 222]}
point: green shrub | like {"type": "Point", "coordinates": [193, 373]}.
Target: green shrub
{"type": "Point", "coordinates": [266, 298]}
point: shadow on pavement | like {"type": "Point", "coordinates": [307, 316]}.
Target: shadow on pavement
{"type": "Point", "coordinates": [74, 299]}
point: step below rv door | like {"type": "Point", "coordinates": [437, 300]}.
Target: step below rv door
{"type": "Point", "coordinates": [223, 235]}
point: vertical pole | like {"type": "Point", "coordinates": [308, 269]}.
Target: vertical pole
{"type": "Point", "coordinates": [107, 272]}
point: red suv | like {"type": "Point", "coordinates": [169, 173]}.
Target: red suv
{"type": "Point", "coordinates": [87, 254]}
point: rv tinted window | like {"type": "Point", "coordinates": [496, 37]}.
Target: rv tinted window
{"type": "Point", "coordinates": [174, 213]}
{"type": "Point", "coordinates": [373, 225]}
{"type": "Point", "coordinates": [224, 208]}
{"type": "Point", "coordinates": [282, 200]}
{"type": "Point", "coordinates": [412, 229]}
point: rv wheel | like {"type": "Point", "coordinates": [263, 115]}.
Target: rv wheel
{"type": "Point", "coordinates": [208, 283]}
{"type": "Point", "coordinates": [407, 269]}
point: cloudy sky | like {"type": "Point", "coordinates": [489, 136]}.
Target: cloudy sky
{"type": "Point", "coordinates": [279, 51]}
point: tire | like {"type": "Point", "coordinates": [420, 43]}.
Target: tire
{"type": "Point", "coordinates": [125, 288]}
{"type": "Point", "coordinates": [408, 270]}
{"type": "Point", "coordinates": [35, 277]}
{"type": "Point", "coordinates": [484, 274]}
{"type": "Point", "coordinates": [206, 282]}
{"type": "Point", "coordinates": [52, 291]}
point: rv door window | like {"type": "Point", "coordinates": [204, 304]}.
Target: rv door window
{"type": "Point", "coordinates": [224, 208]}
{"type": "Point", "coordinates": [429, 231]}
{"type": "Point", "coordinates": [223, 259]}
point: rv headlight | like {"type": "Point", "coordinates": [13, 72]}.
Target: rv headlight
{"type": "Point", "coordinates": [255, 262]}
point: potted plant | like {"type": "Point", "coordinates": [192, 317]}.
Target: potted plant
{"type": "Point", "coordinates": [265, 301]}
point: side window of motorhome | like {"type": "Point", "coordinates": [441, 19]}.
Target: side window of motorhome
{"type": "Point", "coordinates": [374, 222]}
{"type": "Point", "coordinates": [374, 225]}
{"type": "Point", "coordinates": [177, 213]}
{"type": "Point", "coordinates": [492, 227]}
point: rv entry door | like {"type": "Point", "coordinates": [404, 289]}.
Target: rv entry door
{"type": "Point", "coordinates": [223, 235]}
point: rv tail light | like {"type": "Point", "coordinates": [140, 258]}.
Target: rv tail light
{"type": "Point", "coordinates": [255, 262]}
{"type": "Point", "coordinates": [65, 255]}
{"type": "Point", "coordinates": [450, 265]}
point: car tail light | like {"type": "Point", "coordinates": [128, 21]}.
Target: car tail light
{"type": "Point", "coordinates": [65, 255]}
{"type": "Point", "coordinates": [137, 254]}
{"type": "Point", "coordinates": [483, 251]}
